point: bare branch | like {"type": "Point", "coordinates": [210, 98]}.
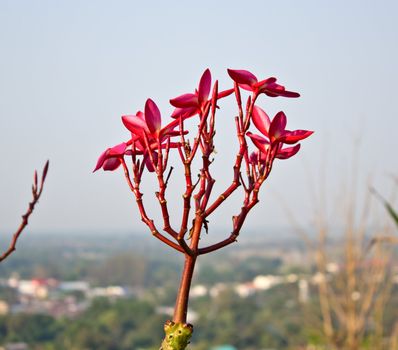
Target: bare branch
{"type": "Point", "coordinates": [36, 193]}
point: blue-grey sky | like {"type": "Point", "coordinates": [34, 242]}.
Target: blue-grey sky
{"type": "Point", "coordinates": [70, 69]}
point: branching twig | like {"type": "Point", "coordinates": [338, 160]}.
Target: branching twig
{"type": "Point", "coordinates": [36, 193]}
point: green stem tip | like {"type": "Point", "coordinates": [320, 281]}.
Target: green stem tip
{"type": "Point", "coordinates": [177, 336]}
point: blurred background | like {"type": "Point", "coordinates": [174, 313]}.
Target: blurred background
{"type": "Point", "coordinates": [315, 267]}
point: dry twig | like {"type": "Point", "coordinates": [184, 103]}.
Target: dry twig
{"type": "Point", "coordinates": [36, 193]}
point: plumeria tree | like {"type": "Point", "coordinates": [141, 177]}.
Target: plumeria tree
{"type": "Point", "coordinates": [146, 152]}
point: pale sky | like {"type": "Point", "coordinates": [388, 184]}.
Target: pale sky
{"type": "Point", "coordinates": [70, 69]}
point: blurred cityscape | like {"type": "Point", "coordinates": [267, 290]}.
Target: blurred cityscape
{"type": "Point", "coordinates": [119, 289]}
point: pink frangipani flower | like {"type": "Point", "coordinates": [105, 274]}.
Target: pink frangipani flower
{"type": "Point", "coordinates": [143, 127]}
{"type": "Point", "coordinates": [146, 127]}
{"type": "Point", "coordinates": [110, 159]}
{"type": "Point", "coordinates": [189, 104]}
{"type": "Point", "coordinates": [276, 131]}
{"type": "Point", "coordinates": [275, 134]}
{"type": "Point", "coordinates": [149, 123]}
{"type": "Point", "coordinates": [282, 153]}
{"type": "Point", "coordinates": [248, 81]}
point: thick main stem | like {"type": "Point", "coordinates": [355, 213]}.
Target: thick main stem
{"type": "Point", "coordinates": [178, 332]}
{"type": "Point", "coordinates": [181, 307]}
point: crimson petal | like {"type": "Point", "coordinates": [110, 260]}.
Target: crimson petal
{"type": "Point", "coordinates": [277, 127]}
{"type": "Point", "coordinates": [291, 94]}
{"type": "Point", "coordinates": [148, 162]}
{"type": "Point", "coordinates": [152, 116]}
{"type": "Point", "coordinates": [288, 152]}
{"type": "Point", "coordinates": [263, 83]}
{"type": "Point", "coordinates": [101, 160]}
{"type": "Point", "coordinates": [184, 112]}
{"type": "Point", "coordinates": [135, 124]}
{"type": "Point", "coordinates": [111, 164]}
{"type": "Point", "coordinates": [253, 159]}
{"type": "Point", "coordinates": [118, 150]}
{"type": "Point", "coordinates": [225, 93]}
{"type": "Point", "coordinates": [242, 76]}
{"type": "Point", "coordinates": [261, 120]}
{"type": "Point", "coordinates": [291, 137]}
{"type": "Point", "coordinates": [260, 142]}
{"type": "Point", "coordinates": [204, 86]}
{"type": "Point", "coordinates": [275, 90]}
{"type": "Point", "coordinates": [185, 100]}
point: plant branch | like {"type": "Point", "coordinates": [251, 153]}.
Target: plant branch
{"type": "Point", "coordinates": [36, 193]}
{"type": "Point", "coordinates": [144, 217]}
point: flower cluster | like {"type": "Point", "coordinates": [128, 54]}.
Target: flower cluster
{"type": "Point", "coordinates": [148, 138]}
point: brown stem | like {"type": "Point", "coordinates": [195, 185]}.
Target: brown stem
{"type": "Point", "coordinates": [36, 193]}
{"type": "Point", "coordinates": [242, 153]}
{"type": "Point", "coordinates": [181, 306]}
{"type": "Point", "coordinates": [144, 217]}
{"type": "Point", "coordinates": [187, 200]}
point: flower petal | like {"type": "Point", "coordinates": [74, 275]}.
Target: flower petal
{"type": "Point", "coordinates": [275, 90]}
{"type": "Point", "coordinates": [101, 160]}
{"type": "Point", "coordinates": [288, 152]}
{"type": "Point", "coordinates": [135, 124]}
{"type": "Point", "coordinates": [111, 164]}
{"type": "Point", "coordinates": [118, 150]}
{"type": "Point", "coordinates": [204, 86]}
{"type": "Point", "coordinates": [291, 94]}
{"type": "Point", "coordinates": [253, 158]}
{"type": "Point", "coordinates": [291, 137]}
{"type": "Point", "coordinates": [140, 115]}
{"type": "Point", "coordinates": [225, 93]}
{"type": "Point", "coordinates": [242, 76]}
{"type": "Point", "coordinates": [263, 83]}
{"type": "Point", "coordinates": [184, 112]}
{"type": "Point", "coordinates": [184, 101]}
{"type": "Point", "coordinates": [148, 162]}
{"type": "Point", "coordinates": [152, 116]}
{"type": "Point", "coordinates": [277, 127]}
{"type": "Point", "coordinates": [246, 87]}
{"type": "Point", "coordinates": [261, 120]}
{"type": "Point", "coordinates": [169, 129]}
{"type": "Point", "coordinates": [260, 142]}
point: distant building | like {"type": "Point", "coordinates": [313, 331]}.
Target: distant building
{"type": "Point", "coordinates": [303, 291]}
{"type": "Point", "coordinates": [108, 292]}
{"type": "Point", "coordinates": [217, 289]}
{"type": "Point", "coordinates": [198, 291]}
{"type": "Point", "coordinates": [245, 290]}
{"type": "Point", "coordinates": [74, 286]}
{"type": "Point", "coordinates": [332, 267]}
{"type": "Point", "coordinates": [266, 282]}
{"type": "Point", "coordinates": [292, 278]}
{"type": "Point", "coordinates": [37, 288]}
{"type": "Point", "coordinates": [15, 346]}
{"type": "Point", "coordinates": [4, 308]}
{"type": "Point", "coordinates": [318, 278]}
